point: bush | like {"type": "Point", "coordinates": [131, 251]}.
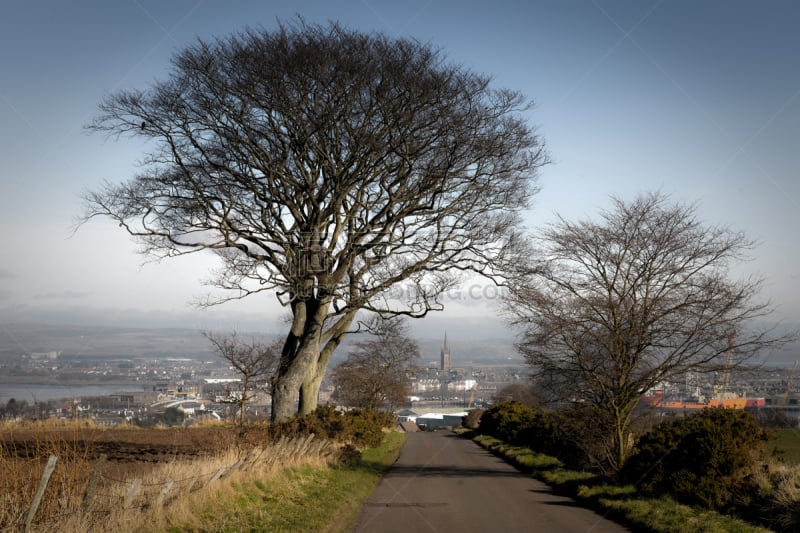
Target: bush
{"type": "Point", "coordinates": [324, 421]}
{"type": "Point", "coordinates": [473, 419]}
{"type": "Point", "coordinates": [698, 460]}
{"type": "Point", "coordinates": [359, 427]}
{"type": "Point", "coordinates": [579, 436]}
{"type": "Point", "coordinates": [509, 421]}
{"type": "Point", "coordinates": [366, 426]}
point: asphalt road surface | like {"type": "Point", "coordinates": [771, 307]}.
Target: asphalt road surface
{"type": "Point", "coordinates": [443, 483]}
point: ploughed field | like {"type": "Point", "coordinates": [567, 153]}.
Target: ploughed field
{"type": "Point", "coordinates": [128, 450]}
{"type": "Point", "coordinates": [121, 445]}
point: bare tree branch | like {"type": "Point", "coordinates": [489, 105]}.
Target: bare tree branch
{"type": "Point", "coordinates": [616, 306]}
{"type": "Point", "coordinates": [327, 166]}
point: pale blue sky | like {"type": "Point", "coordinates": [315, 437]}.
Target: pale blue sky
{"type": "Point", "coordinates": [700, 99]}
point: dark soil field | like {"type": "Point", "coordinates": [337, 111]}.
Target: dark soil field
{"type": "Point", "coordinates": [128, 445]}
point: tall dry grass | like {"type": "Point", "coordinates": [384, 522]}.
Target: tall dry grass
{"type": "Point", "coordinates": [777, 487]}
{"type": "Point", "coordinates": [140, 497]}
{"type": "Point", "coordinates": [21, 469]}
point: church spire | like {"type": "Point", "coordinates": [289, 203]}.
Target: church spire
{"type": "Point", "coordinates": [445, 355]}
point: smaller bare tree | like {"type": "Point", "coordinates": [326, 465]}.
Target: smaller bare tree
{"type": "Point", "coordinates": [609, 309]}
{"type": "Point", "coordinates": [253, 359]}
{"type": "Point", "coordinates": [377, 372]}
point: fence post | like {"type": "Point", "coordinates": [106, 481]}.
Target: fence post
{"type": "Point", "coordinates": [88, 495]}
{"type": "Point", "coordinates": [131, 494]}
{"type": "Point", "coordinates": [277, 450]}
{"type": "Point", "coordinates": [296, 444]}
{"type": "Point", "coordinates": [319, 448]}
{"type": "Point", "coordinates": [37, 499]}
{"type": "Point", "coordinates": [163, 494]}
{"type": "Point", "coordinates": [215, 477]}
{"type": "Point", "coordinates": [233, 468]}
{"type": "Point", "coordinates": [307, 444]}
{"type": "Point", "coordinates": [253, 457]}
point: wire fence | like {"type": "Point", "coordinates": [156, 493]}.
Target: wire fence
{"type": "Point", "coordinates": [98, 500]}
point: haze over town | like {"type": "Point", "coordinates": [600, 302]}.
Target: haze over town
{"type": "Point", "coordinates": [698, 100]}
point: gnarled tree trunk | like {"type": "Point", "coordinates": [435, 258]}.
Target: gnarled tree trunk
{"type": "Point", "coordinates": [298, 360]}
{"type": "Point", "coordinates": [309, 392]}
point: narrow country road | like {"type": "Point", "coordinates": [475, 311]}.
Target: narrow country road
{"type": "Point", "coordinates": [443, 483]}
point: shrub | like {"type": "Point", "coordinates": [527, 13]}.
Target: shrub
{"type": "Point", "coordinates": [473, 419]}
{"type": "Point", "coordinates": [359, 427]}
{"type": "Point", "coordinates": [324, 421]}
{"type": "Point", "coordinates": [366, 426]}
{"type": "Point", "coordinates": [509, 421]}
{"type": "Point", "coordinates": [579, 436]}
{"type": "Point", "coordinates": [698, 460]}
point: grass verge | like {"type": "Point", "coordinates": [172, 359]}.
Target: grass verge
{"type": "Point", "coordinates": [620, 503]}
{"type": "Point", "coordinates": [786, 446]}
{"type": "Point", "coordinates": [301, 498]}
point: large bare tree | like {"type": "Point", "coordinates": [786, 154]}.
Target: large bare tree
{"type": "Point", "coordinates": [641, 295]}
{"type": "Point", "coordinates": [327, 166]}
{"type": "Point", "coordinates": [378, 370]}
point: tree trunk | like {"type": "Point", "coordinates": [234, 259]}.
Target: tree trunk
{"type": "Point", "coordinates": [622, 438]}
{"type": "Point", "coordinates": [286, 390]}
{"type": "Point", "coordinates": [298, 361]}
{"type": "Point", "coordinates": [286, 395]}
{"type": "Point", "coordinates": [243, 402]}
{"type": "Point", "coordinates": [309, 393]}
{"type": "Point", "coordinates": [621, 450]}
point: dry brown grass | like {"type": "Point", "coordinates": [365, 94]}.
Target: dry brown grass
{"type": "Point", "coordinates": [134, 495]}
{"type": "Point", "coordinates": [21, 468]}
{"type": "Point", "coordinates": [778, 487]}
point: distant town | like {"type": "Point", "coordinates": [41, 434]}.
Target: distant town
{"type": "Point", "coordinates": [185, 390]}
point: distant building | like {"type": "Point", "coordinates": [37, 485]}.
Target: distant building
{"type": "Point", "coordinates": [462, 385]}
{"type": "Point", "coordinates": [51, 355]}
{"type": "Point", "coordinates": [445, 355]}
{"type": "Point", "coordinates": [431, 421]}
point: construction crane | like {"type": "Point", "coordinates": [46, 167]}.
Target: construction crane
{"type": "Point", "coordinates": [723, 391]}
{"type": "Point", "coordinates": [726, 377]}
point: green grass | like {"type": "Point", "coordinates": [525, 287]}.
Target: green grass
{"type": "Point", "coordinates": [385, 454]}
{"type": "Point", "coordinates": [618, 502]}
{"type": "Point", "coordinates": [787, 446]}
{"type": "Point", "coordinates": [666, 515]}
{"type": "Point", "coordinates": [308, 498]}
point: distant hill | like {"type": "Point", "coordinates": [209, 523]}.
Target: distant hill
{"type": "Point", "coordinates": [89, 341]}
{"type": "Point", "coordinates": [472, 341]}
{"type": "Point", "coordinates": [113, 342]}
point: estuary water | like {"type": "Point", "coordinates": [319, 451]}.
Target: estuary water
{"type": "Point", "coordinates": [51, 391]}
